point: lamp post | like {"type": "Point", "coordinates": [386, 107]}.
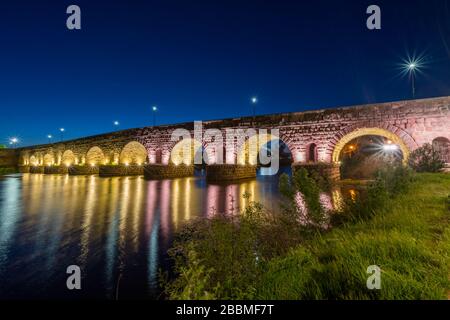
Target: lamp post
{"type": "Point", "coordinates": [154, 109]}
{"type": "Point", "coordinates": [254, 101]}
{"type": "Point", "coordinates": [412, 71]}
{"type": "Point", "coordinates": [62, 133]}
{"type": "Point", "coordinates": [116, 123]}
{"type": "Point", "coordinates": [49, 137]}
{"type": "Point", "coordinates": [411, 66]}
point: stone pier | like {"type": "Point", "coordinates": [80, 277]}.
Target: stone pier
{"type": "Point", "coordinates": [229, 172]}
{"type": "Point", "coordinates": [161, 171]}
{"type": "Point", "coordinates": [329, 171]}
{"type": "Point", "coordinates": [83, 170]}
{"type": "Point", "coordinates": [120, 170]}
{"type": "Point", "coordinates": [56, 170]}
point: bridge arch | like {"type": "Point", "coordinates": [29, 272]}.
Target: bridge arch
{"type": "Point", "coordinates": [374, 131]}
{"type": "Point", "coordinates": [49, 159]}
{"type": "Point", "coordinates": [95, 156]}
{"type": "Point", "coordinates": [248, 152]}
{"type": "Point", "coordinates": [34, 161]}
{"type": "Point", "coordinates": [68, 158]}
{"type": "Point", "coordinates": [133, 153]}
{"type": "Point", "coordinates": [184, 151]}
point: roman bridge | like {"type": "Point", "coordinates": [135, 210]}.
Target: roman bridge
{"type": "Point", "coordinates": [315, 140]}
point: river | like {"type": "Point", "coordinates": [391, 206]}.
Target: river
{"type": "Point", "coordinates": [117, 230]}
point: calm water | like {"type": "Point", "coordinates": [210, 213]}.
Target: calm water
{"type": "Point", "coordinates": [113, 228]}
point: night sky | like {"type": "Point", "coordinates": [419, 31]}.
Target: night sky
{"type": "Point", "coordinates": [200, 60]}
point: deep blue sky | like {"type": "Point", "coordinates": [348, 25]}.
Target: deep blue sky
{"type": "Point", "coordinates": [205, 59]}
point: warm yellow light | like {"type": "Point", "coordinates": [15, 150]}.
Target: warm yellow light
{"type": "Point", "coordinates": [126, 164]}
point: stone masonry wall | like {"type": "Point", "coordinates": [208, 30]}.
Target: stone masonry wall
{"type": "Point", "coordinates": [415, 122]}
{"type": "Point", "coordinates": [159, 171]}
{"type": "Point", "coordinates": [227, 172]}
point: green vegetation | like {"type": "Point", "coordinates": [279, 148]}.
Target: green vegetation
{"type": "Point", "coordinates": [402, 225]}
{"type": "Point", "coordinates": [409, 238]}
{"type": "Point", "coordinates": [2, 146]}
{"type": "Point", "coordinates": [7, 170]}
{"type": "Point", "coordinates": [426, 159]}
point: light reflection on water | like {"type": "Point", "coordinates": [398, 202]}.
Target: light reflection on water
{"type": "Point", "coordinates": [111, 227]}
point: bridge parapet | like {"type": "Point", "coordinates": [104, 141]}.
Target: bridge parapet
{"type": "Point", "coordinates": [313, 136]}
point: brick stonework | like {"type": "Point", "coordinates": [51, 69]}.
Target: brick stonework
{"type": "Point", "coordinates": [159, 171]}
{"type": "Point", "coordinates": [228, 172]}
{"type": "Point", "coordinates": [37, 169]}
{"type": "Point", "coordinates": [83, 170]}
{"type": "Point", "coordinates": [56, 170]}
{"type": "Point", "coordinates": [120, 170]}
{"type": "Point", "coordinates": [329, 170]}
{"type": "Point", "coordinates": [413, 122]}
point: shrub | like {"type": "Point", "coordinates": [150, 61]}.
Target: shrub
{"type": "Point", "coordinates": [390, 181]}
{"type": "Point", "coordinates": [216, 257]}
{"type": "Point", "coordinates": [426, 159]}
{"type": "Point", "coordinates": [302, 188]}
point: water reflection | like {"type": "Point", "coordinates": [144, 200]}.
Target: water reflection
{"type": "Point", "coordinates": [117, 230]}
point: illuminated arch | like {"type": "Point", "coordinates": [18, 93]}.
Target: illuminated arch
{"type": "Point", "coordinates": [34, 161]}
{"type": "Point", "coordinates": [49, 159]}
{"type": "Point", "coordinates": [369, 132]}
{"type": "Point", "coordinates": [68, 158]}
{"type": "Point", "coordinates": [184, 151]}
{"type": "Point", "coordinates": [248, 152]}
{"type": "Point", "coordinates": [95, 156]}
{"type": "Point", "coordinates": [133, 153]}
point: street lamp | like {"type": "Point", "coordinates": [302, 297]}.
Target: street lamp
{"type": "Point", "coordinates": [49, 136]}
{"type": "Point", "coordinates": [254, 102]}
{"type": "Point", "coordinates": [412, 71]}
{"type": "Point", "coordinates": [154, 109]}
{"type": "Point", "coordinates": [13, 141]}
{"type": "Point", "coordinates": [116, 123]}
{"type": "Point", "coordinates": [410, 66]}
{"type": "Point", "coordinates": [390, 147]}
{"type": "Point", "coordinates": [62, 133]}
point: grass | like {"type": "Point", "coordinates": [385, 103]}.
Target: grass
{"type": "Point", "coordinates": [409, 239]}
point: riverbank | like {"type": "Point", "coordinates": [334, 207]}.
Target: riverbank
{"type": "Point", "coordinates": [401, 226]}
{"type": "Point", "coordinates": [409, 239]}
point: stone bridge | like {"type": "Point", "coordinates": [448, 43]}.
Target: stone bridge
{"type": "Point", "coordinates": [314, 138]}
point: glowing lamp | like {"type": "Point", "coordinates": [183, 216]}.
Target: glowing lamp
{"type": "Point", "coordinates": [390, 147]}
